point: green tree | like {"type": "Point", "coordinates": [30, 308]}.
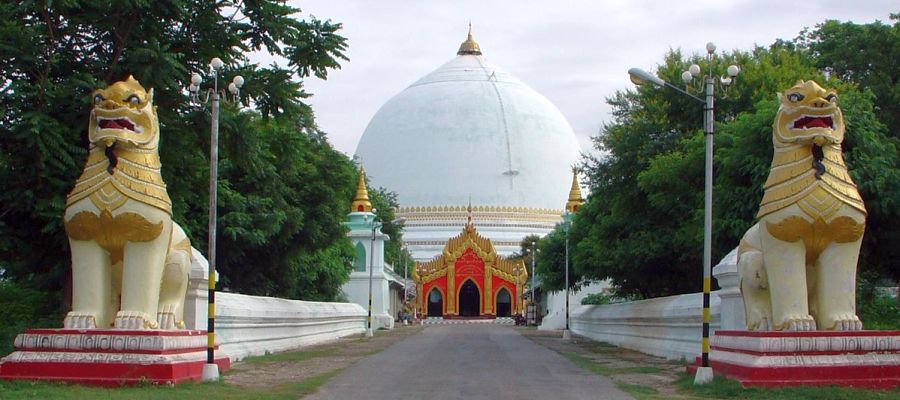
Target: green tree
{"type": "Point", "coordinates": [551, 261]}
{"type": "Point", "coordinates": [385, 203]}
{"type": "Point", "coordinates": [866, 54]}
{"type": "Point", "coordinates": [645, 213]}
{"type": "Point", "coordinates": [525, 253]}
{"type": "Point", "coordinates": [283, 188]}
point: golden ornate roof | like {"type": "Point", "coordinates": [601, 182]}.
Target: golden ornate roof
{"type": "Point", "coordinates": [575, 199]}
{"type": "Point", "coordinates": [469, 238]}
{"type": "Point", "coordinates": [470, 46]}
{"type": "Point", "coordinates": [361, 199]}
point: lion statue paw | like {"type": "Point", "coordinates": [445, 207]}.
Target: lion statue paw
{"type": "Point", "coordinates": [134, 320]}
{"type": "Point", "coordinates": [166, 318]}
{"type": "Point", "coordinates": [80, 320]}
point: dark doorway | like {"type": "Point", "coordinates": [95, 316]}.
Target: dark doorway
{"type": "Point", "coordinates": [503, 303]}
{"type": "Point", "coordinates": [469, 300]}
{"type": "Point", "coordinates": [435, 303]}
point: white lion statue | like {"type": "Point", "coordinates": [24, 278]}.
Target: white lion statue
{"type": "Point", "coordinates": [797, 265]}
{"type": "Point", "coordinates": [130, 261]}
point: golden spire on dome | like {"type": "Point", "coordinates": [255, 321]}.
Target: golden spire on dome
{"type": "Point", "coordinates": [469, 213]}
{"type": "Point", "coordinates": [361, 199]}
{"type": "Point", "coordinates": [470, 46]}
{"type": "Point", "coordinates": [575, 199]}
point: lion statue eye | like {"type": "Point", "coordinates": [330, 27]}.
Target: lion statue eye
{"type": "Point", "coordinates": [795, 97]}
{"type": "Point", "coordinates": [133, 99]}
{"type": "Point", "coordinates": [98, 99]}
{"type": "Point", "coordinates": [831, 98]}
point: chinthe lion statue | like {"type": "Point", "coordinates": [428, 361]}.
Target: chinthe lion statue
{"type": "Point", "coordinates": [797, 265]}
{"type": "Point", "coordinates": [130, 261]}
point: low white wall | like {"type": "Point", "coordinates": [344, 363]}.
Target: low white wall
{"type": "Point", "coordinates": [555, 311]}
{"type": "Point", "coordinates": [255, 325]}
{"type": "Point", "coordinates": [668, 327]}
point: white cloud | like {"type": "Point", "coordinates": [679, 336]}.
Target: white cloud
{"type": "Point", "coordinates": [576, 53]}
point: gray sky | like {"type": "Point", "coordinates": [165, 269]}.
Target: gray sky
{"type": "Point", "coordinates": [576, 53]}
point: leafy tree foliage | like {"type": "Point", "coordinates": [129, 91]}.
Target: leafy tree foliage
{"type": "Point", "coordinates": [643, 223]}
{"type": "Point", "coordinates": [385, 203]}
{"type": "Point", "coordinates": [866, 54]}
{"type": "Point", "coordinates": [283, 189]}
{"type": "Point", "coordinates": [551, 261]}
{"type": "Point", "coordinates": [526, 254]}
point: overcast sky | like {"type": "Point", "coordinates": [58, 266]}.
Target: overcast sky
{"type": "Point", "coordinates": [576, 53]}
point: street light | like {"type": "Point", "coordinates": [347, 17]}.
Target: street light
{"type": "Point", "coordinates": [534, 251]}
{"type": "Point", "coordinates": [638, 76]}
{"type": "Point", "coordinates": [375, 225]}
{"type": "Point", "coordinates": [210, 369]}
{"type": "Point", "coordinates": [567, 221]}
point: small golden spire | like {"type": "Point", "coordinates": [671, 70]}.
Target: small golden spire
{"type": "Point", "coordinates": [469, 222]}
{"type": "Point", "coordinates": [575, 199]}
{"type": "Point", "coordinates": [361, 199]}
{"type": "Point", "coordinates": [470, 46]}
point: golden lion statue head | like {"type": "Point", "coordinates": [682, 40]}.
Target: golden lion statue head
{"type": "Point", "coordinates": [808, 114]}
{"type": "Point", "coordinates": [124, 113]}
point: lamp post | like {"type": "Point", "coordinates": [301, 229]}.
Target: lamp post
{"type": "Point", "coordinates": [375, 225]}
{"type": "Point", "coordinates": [533, 250]}
{"type": "Point", "coordinates": [210, 369]}
{"type": "Point", "coordinates": [567, 220]}
{"type": "Point", "coordinates": [638, 76]}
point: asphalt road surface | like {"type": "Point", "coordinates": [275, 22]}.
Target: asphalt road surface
{"type": "Point", "coordinates": [467, 361]}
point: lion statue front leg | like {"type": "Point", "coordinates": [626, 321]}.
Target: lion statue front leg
{"type": "Point", "coordinates": [835, 297]}
{"type": "Point", "coordinates": [754, 282]}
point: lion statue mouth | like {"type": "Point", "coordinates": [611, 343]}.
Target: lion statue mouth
{"type": "Point", "coordinates": [809, 122]}
{"type": "Point", "coordinates": [119, 123]}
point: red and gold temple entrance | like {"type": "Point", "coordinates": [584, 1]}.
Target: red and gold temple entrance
{"type": "Point", "coordinates": [469, 279]}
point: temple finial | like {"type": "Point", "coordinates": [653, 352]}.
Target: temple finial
{"type": "Point", "coordinates": [469, 212]}
{"type": "Point", "coordinates": [361, 199]}
{"type": "Point", "coordinates": [575, 199]}
{"type": "Point", "coordinates": [470, 46]}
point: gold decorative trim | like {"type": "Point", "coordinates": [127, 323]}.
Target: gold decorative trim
{"type": "Point", "coordinates": [110, 232]}
{"type": "Point", "coordinates": [816, 236]}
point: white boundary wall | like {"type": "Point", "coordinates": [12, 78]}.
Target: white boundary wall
{"type": "Point", "coordinates": [667, 326]}
{"type": "Point", "coordinates": [255, 325]}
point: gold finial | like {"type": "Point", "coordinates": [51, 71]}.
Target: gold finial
{"type": "Point", "coordinates": [469, 211]}
{"type": "Point", "coordinates": [470, 46]}
{"type": "Point", "coordinates": [361, 199]}
{"type": "Point", "coordinates": [575, 199]}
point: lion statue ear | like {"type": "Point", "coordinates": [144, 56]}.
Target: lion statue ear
{"type": "Point", "coordinates": [150, 96]}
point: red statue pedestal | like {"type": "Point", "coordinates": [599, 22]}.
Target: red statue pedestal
{"type": "Point", "coordinates": [869, 359]}
{"type": "Point", "coordinates": [109, 357]}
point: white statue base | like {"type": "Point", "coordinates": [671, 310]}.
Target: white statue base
{"type": "Point", "coordinates": [869, 359]}
{"type": "Point", "coordinates": [109, 357]}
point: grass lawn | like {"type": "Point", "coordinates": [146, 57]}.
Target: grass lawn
{"type": "Point", "coordinates": [11, 390]}
{"type": "Point", "coordinates": [722, 388]}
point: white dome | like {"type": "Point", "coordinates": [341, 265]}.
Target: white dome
{"type": "Point", "coordinates": [470, 132]}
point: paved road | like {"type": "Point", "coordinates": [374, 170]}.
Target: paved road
{"type": "Point", "coordinates": [477, 361]}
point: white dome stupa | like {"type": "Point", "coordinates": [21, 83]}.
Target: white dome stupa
{"type": "Point", "coordinates": [470, 133]}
